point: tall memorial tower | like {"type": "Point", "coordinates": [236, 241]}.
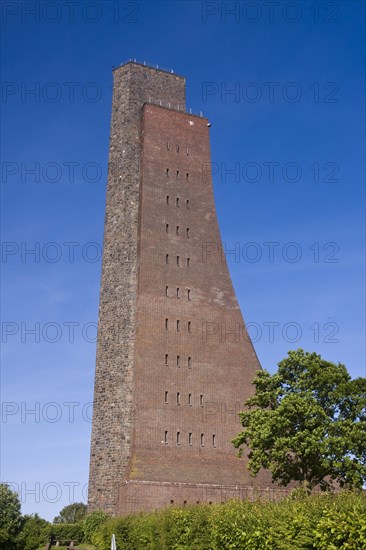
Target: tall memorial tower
{"type": "Point", "coordinates": [174, 363]}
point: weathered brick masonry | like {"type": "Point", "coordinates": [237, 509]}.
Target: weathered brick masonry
{"type": "Point", "coordinates": [174, 364]}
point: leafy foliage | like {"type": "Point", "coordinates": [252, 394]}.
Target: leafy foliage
{"type": "Point", "coordinates": [306, 423]}
{"type": "Point", "coordinates": [173, 529]}
{"type": "Point", "coordinates": [34, 533]}
{"type": "Point", "coordinates": [72, 513]}
{"type": "Point", "coordinates": [30, 532]}
{"type": "Point", "coordinates": [186, 528]}
{"type": "Point", "coordinates": [92, 522]}
{"type": "Point", "coordinates": [340, 529]}
{"type": "Point", "coordinates": [320, 522]}
{"type": "Point", "coordinates": [67, 532]}
{"type": "Point", "coordinates": [5, 540]}
{"type": "Point", "coordinates": [10, 516]}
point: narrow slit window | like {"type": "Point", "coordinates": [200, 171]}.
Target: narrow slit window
{"type": "Point", "coordinates": [188, 326]}
{"type": "Point", "coordinates": [167, 199]}
{"type": "Point", "coordinates": [167, 228]}
{"type": "Point", "coordinates": [187, 203]}
{"type": "Point", "coordinates": [166, 359]}
{"type": "Point", "coordinates": [178, 438]}
{"type": "Point", "coordinates": [178, 398]}
{"type": "Point", "coordinates": [188, 294]}
{"type": "Point", "coordinates": [187, 232]}
{"type": "Point", "coordinates": [189, 362]}
{"type": "Point", "coordinates": [178, 261]}
{"type": "Point", "coordinates": [166, 437]}
{"type": "Point", "coordinates": [178, 292]}
{"type": "Point", "coordinates": [190, 438]}
{"type": "Point", "coordinates": [202, 440]}
{"type": "Point", "coordinates": [166, 324]}
{"type": "Point", "coordinates": [187, 176]}
{"type": "Point", "coordinates": [177, 202]}
{"type": "Point", "coordinates": [168, 145]}
{"type": "Point", "coordinates": [201, 400]}
{"type": "Point", "coordinates": [214, 440]}
{"type": "Point", "coordinates": [166, 258]}
{"type": "Point", "coordinates": [190, 399]}
{"type": "Point", "coordinates": [167, 172]}
{"type": "Point", "coordinates": [177, 148]}
{"type": "Point", "coordinates": [166, 291]}
{"type": "Point", "coordinates": [178, 325]}
{"type": "Point", "coordinates": [177, 174]}
{"type": "Point", "coordinates": [187, 151]}
{"type": "Point", "coordinates": [166, 397]}
{"type": "Point", "coordinates": [178, 360]}
{"type": "Point", "coordinates": [177, 230]}
{"type": "Point", "coordinates": [188, 262]}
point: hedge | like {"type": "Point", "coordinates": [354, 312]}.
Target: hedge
{"type": "Point", "coordinates": [92, 522]}
{"type": "Point", "coordinates": [322, 522]}
{"type": "Point", "coordinates": [66, 532]}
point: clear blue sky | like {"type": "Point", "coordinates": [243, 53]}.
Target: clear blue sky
{"type": "Point", "coordinates": [294, 132]}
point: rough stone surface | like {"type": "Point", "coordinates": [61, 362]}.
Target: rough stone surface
{"type": "Point", "coordinates": [174, 362]}
{"type": "Point", "coordinates": [113, 412]}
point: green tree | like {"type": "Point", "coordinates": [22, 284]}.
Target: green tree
{"type": "Point", "coordinates": [72, 513]}
{"type": "Point", "coordinates": [34, 533]}
{"type": "Point", "coordinates": [306, 423]}
{"type": "Point", "coordinates": [10, 516]}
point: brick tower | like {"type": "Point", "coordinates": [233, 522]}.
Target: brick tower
{"type": "Point", "coordinates": [174, 364]}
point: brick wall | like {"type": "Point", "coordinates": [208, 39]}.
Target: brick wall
{"type": "Point", "coordinates": [150, 495]}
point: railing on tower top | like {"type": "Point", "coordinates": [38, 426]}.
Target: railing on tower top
{"type": "Point", "coordinates": [170, 105]}
{"type": "Point", "coordinates": [150, 65]}
{"type": "Point", "coordinates": [159, 102]}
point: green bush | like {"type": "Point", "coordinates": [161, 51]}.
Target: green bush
{"type": "Point", "coordinates": [319, 522]}
{"type": "Point", "coordinates": [187, 527]}
{"type": "Point", "coordinates": [34, 533]}
{"type": "Point", "coordinates": [131, 532]}
{"type": "Point", "coordinates": [5, 540]}
{"type": "Point", "coordinates": [238, 524]}
{"type": "Point", "coordinates": [344, 529]}
{"type": "Point", "coordinates": [92, 522]}
{"type": "Point", "coordinates": [67, 532]}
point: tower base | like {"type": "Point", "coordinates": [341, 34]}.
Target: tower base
{"type": "Point", "coordinates": [136, 496]}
